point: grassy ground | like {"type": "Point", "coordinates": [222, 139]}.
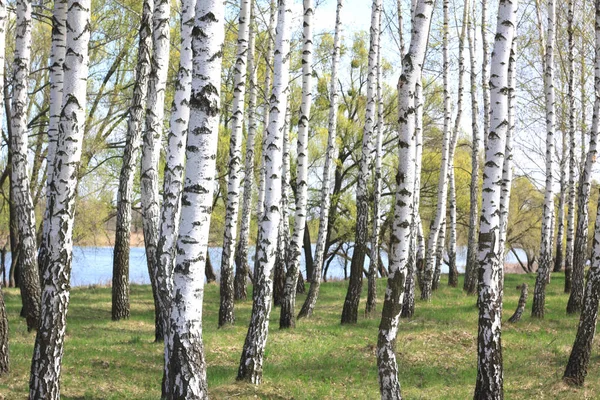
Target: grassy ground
{"type": "Point", "coordinates": [318, 360]}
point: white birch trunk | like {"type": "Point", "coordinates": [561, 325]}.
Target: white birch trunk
{"type": "Point", "coordinates": [389, 383]}
{"type": "Point", "coordinates": [241, 257]}
{"type": "Point", "coordinates": [187, 366]}
{"type": "Point", "coordinates": [485, 76]}
{"type": "Point", "coordinates": [49, 342]}
{"type": "Point", "coordinates": [545, 260]}
{"type": "Point", "coordinates": [351, 303]}
{"type": "Point", "coordinates": [328, 169]}
{"type": "Point", "coordinates": [173, 180]}
{"type": "Point", "coordinates": [151, 145]}
{"type": "Point", "coordinates": [572, 161]}
{"type": "Point", "coordinates": [4, 356]}
{"type": "Point", "coordinates": [19, 182]}
{"type": "Point", "coordinates": [250, 368]}
{"type": "Point", "coordinates": [226, 315]}
{"type": "Point", "coordinates": [120, 279]}
{"type": "Point", "coordinates": [288, 316]}
{"type": "Point", "coordinates": [489, 384]}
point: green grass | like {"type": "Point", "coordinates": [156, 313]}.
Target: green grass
{"type": "Point", "coordinates": [320, 359]}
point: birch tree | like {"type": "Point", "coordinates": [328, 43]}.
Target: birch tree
{"type": "Point", "coordinates": [572, 162]}
{"type": "Point", "coordinates": [120, 277]}
{"type": "Point", "coordinates": [56, 271]}
{"type": "Point", "coordinates": [173, 180]}
{"type": "Point", "coordinates": [186, 362]}
{"type": "Point", "coordinates": [325, 198]}
{"type": "Point", "coordinates": [241, 257]}
{"type": "Point", "coordinates": [19, 182]}
{"type": "Point", "coordinates": [226, 315]}
{"type": "Point", "coordinates": [545, 260]}
{"type": "Point", "coordinates": [151, 145]}
{"type": "Point", "coordinates": [288, 316]}
{"type": "Point", "coordinates": [351, 303]}
{"type": "Point", "coordinates": [431, 276]}
{"type": "Point", "coordinates": [489, 384]}
{"type": "Point", "coordinates": [412, 64]}
{"type": "Point", "coordinates": [471, 266]}
{"type": "Point", "coordinates": [250, 368]}
{"type": "Point", "coordinates": [4, 356]}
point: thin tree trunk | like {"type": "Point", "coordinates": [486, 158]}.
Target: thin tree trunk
{"type": "Point", "coordinates": [516, 317]}
{"type": "Point", "coordinates": [151, 146]}
{"type": "Point", "coordinates": [485, 76]}
{"type": "Point", "coordinates": [24, 208]}
{"type": "Point", "coordinates": [489, 384]}
{"type": "Point", "coordinates": [120, 278]}
{"type": "Point", "coordinates": [308, 255]}
{"type": "Point", "coordinates": [572, 162]}
{"type": "Point", "coordinates": [374, 253]}
{"type": "Point", "coordinates": [49, 342]}
{"type": "Point", "coordinates": [250, 368]}
{"type": "Point", "coordinates": [288, 313]}
{"type": "Point", "coordinates": [439, 256]}
{"type": "Point", "coordinates": [351, 303]}
{"type": "Point", "coordinates": [4, 358]}
{"type": "Point", "coordinates": [226, 315]}
{"type": "Point", "coordinates": [187, 365]}
{"type": "Point", "coordinates": [325, 199]}
{"type": "Point", "coordinates": [562, 197]}
{"type": "Point", "coordinates": [389, 384]}
{"type": "Point", "coordinates": [472, 262]}
{"type": "Point", "coordinates": [545, 261]}
{"type": "Point", "coordinates": [241, 257]}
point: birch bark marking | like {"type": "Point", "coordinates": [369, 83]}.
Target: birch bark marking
{"type": "Point", "coordinates": [250, 368]}
{"type": "Point", "coordinates": [489, 384]}
{"type": "Point", "coordinates": [429, 276]}
{"type": "Point", "coordinates": [49, 342]}
{"type": "Point", "coordinates": [572, 163]}
{"type": "Point", "coordinates": [288, 313]}
{"type": "Point", "coordinates": [151, 145]}
{"type": "Point", "coordinates": [241, 256]}
{"type": "Point", "coordinates": [173, 180]}
{"type": "Point", "coordinates": [120, 279]}
{"type": "Point", "coordinates": [325, 199]}
{"type": "Point", "coordinates": [226, 315]}
{"type": "Point", "coordinates": [351, 303]}
{"type": "Point", "coordinates": [485, 76]}
{"type": "Point", "coordinates": [470, 282]}
{"type": "Point", "coordinates": [374, 253]}
{"type": "Point", "coordinates": [56, 76]}
{"type": "Point", "coordinates": [30, 280]}
{"type": "Point", "coordinates": [389, 384]}
{"type": "Point", "coordinates": [187, 366]}
{"type": "Point", "coordinates": [545, 261]}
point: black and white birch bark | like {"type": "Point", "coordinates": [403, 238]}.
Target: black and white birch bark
{"type": "Point", "coordinates": [489, 384]}
{"type": "Point", "coordinates": [288, 314]}
{"type": "Point", "coordinates": [49, 342]}
{"type": "Point", "coordinates": [250, 368]}
{"type": "Point", "coordinates": [20, 192]}
{"type": "Point", "coordinates": [325, 198]}
{"type": "Point", "coordinates": [412, 63]}
{"type": "Point", "coordinates": [187, 365]}
{"type": "Point", "coordinates": [120, 278]}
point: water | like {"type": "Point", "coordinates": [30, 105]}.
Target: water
{"type": "Point", "coordinates": [93, 265]}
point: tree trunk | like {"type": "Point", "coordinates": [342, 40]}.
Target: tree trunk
{"type": "Point", "coordinates": [351, 303]}
{"type": "Point", "coordinates": [516, 317]}
{"type": "Point", "coordinates": [120, 278]}
{"type": "Point", "coordinates": [209, 272]}
{"type": "Point", "coordinates": [29, 274]}
{"type": "Point", "coordinates": [489, 384]}
{"type": "Point", "coordinates": [308, 255]}
{"type": "Point", "coordinates": [241, 257]}
{"type": "Point", "coordinates": [562, 197]}
{"type": "Point", "coordinates": [472, 262]}
{"type": "Point", "coordinates": [374, 254]}
{"type": "Point", "coordinates": [49, 342]}
{"type": "Point", "coordinates": [325, 199]}
{"type": "Point", "coordinates": [545, 261]}
{"type": "Point", "coordinates": [4, 359]}
{"type": "Point", "coordinates": [288, 305]}
{"type": "Point", "coordinates": [572, 162]}
{"type": "Point", "coordinates": [439, 256]}
{"type": "Point", "coordinates": [389, 384]}
{"type": "Point", "coordinates": [186, 362]}
{"type": "Point", "coordinates": [151, 146]}
{"type": "Point", "coordinates": [250, 368]}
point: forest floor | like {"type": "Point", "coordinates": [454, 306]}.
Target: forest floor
{"type": "Point", "coordinates": [320, 359]}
